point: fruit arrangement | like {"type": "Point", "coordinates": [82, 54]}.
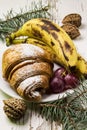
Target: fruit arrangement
{"type": "Point", "coordinates": [52, 38]}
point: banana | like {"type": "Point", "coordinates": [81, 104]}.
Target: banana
{"type": "Point", "coordinates": [53, 36]}
{"type": "Point", "coordinates": [81, 66]}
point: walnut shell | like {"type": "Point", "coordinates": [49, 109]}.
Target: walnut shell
{"type": "Point", "coordinates": [71, 30]}
{"type": "Point", "coordinates": [74, 19]}
{"type": "Point", "coordinates": [14, 108]}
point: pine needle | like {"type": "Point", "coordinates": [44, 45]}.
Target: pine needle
{"type": "Point", "coordinates": [13, 22]}
{"type": "Point", "coordinates": [70, 111]}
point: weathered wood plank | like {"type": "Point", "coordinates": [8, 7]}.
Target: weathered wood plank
{"type": "Point", "coordinates": [60, 8]}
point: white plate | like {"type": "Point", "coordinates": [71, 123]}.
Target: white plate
{"type": "Point", "coordinates": [5, 87]}
{"type": "Point", "coordinates": [81, 45]}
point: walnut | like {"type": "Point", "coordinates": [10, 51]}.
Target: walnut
{"type": "Point", "coordinates": [14, 108]}
{"type": "Point", "coordinates": [71, 30]}
{"type": "Point", "coordinates": [74, 19]}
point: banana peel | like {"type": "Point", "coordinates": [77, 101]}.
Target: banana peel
{"type": "Point", "coordinates": [52, 35]}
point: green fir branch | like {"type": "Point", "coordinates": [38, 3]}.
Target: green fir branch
{"type": "Point", "coordinates": [70, 111]}
{"type": "Point", "coordinates": [14, 22]}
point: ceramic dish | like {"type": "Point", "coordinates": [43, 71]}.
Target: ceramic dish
{"type": "Point", "coordinates": [5, 87]}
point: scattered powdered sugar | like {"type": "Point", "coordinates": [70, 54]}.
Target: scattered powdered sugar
{"type": "Point", "coordinates": [32, 84]}
{"type": "Point", "coordinates": [31, 50]}
{"type": "Point", "coordinates": [24, 50]}
{"type": "Point", "coordinates": [30, 81]}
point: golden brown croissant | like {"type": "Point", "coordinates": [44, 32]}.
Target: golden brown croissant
{"type": "Point", "coordinates": [28, 69]}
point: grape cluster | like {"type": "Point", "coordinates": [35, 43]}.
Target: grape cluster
{"type": "Point", "coordinates": [63, 80]}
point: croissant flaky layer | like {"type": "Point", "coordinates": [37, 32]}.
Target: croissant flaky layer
{"type": "Point", "coordinates": [18, 53]}
{"type": "Point", "coordinates": [28, 69]}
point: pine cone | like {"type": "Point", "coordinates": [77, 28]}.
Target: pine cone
{"type": "Point", "coordinates": [14, 108]}
{"type": "Point", "coordinates": [71, 30]}
{"type": "Point", "coordinates": [73, 18]}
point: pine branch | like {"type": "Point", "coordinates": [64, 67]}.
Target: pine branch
{"type": "Point", "coordinates": [13, 23]}
{"type": "Point", "coordinates": [68, 111]}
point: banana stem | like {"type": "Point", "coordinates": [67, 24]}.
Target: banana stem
{"type": "Point", "coordinates": [19, 41]}
{"type": "Point", "coordinates": [15, 41]}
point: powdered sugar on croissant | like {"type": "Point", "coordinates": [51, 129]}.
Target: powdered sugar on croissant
{"type": "Point", "coordinates": [28, 69]}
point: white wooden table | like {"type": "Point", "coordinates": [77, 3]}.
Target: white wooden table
{"type": "Point", "coordinates": [33, 121]}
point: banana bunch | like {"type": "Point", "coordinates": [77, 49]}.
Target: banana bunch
{"type": "Point", "coordinates": [51, 37]}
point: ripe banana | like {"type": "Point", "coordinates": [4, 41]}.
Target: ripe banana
{"type": "Point", "coordinates": [81, 66]}
{"type": "Point", "coordinates": [52, 35]}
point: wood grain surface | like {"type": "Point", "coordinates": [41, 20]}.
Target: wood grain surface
{"type": "Point", "coordinates": [60, 8]}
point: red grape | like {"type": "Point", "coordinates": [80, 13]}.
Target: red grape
{"type": "Point", "coordinates": [60, 72]}
{"type": "Point", "coordinates": [57, 85]}
{"type": "Point", "coordinates": [71, 81]}
{"type": "Point", "coordinates": [62, 80]}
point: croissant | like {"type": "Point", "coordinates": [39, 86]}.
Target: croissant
{"type": "Point", "coordinates": [28, 69]}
